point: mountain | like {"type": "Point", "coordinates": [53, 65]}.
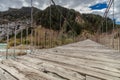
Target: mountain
{"type": "Point", "coordinates": [94, 23]}
{"type": "Point", "coordinates": [71, 20]}
{"type": "Point", "coordinates": [59, 24]}
{"type": "Point", "coordinates": [13, 14]}
{"type": "Point", "coordinates": [61, 18]}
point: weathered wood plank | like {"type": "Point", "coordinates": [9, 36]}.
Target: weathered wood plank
{"type": "Point", "coordinates": [5, 76]}
{"type": "Point", "coordinates": [81, 69]}
{"type": "Point", "coordinates": [66, 73]}
{"type": "Point", "coordinates": [13, 72]}
{"type": "Point", "coordinates": [91, 78]}
{"type": "Point", "coordinates": [78, 63]}
{"type": "Point", "coordinates": [92, 61]}
{"type": "Point", "coordinates": [30, 73]}
{"type": "Point", "coordinates": [87, 58]}
{"type": "Point", "coordinates": [89, 63]}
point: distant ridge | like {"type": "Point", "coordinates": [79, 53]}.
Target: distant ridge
{"type": "Point", "coordinates": [76, 20]}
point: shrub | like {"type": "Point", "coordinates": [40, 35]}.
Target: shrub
{"type": "Point", "coordinates": [21, 53]}
{"type": "Point", "coordinates": [11, 43]}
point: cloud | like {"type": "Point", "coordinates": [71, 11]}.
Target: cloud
{"type": "Point", "coordinates": [5, 4]}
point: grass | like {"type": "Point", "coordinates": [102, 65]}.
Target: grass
{"type": "Point", "coordinates": [11, 43]}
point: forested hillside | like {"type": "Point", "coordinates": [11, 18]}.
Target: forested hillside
{"type": "Point", "coordinates": [13, 14]}
{"type": "Point", "coordinates": [69, 19]}
{"type": "Point", "coordinates": [57, 18]}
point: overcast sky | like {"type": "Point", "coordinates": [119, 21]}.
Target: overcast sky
{"type": "Point", "coordinates": [83, 6]}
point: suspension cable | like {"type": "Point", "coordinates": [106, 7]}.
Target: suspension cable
{"type": "Point", "coordinates": [108, 8]}
{"type": "Point", "coordinates": [63, 17]}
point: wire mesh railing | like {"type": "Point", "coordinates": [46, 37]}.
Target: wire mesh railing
{"type": "Point", "coordinates": [109, 38]}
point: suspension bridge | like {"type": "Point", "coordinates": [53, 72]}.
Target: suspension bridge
{"type": "Point", "coordinates": [85, 59]}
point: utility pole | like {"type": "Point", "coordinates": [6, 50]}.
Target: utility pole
{"type": "Point", "coordinates": [26, 38]}
{"type": "Point", "coordinates": [35, 38]}
{"type": "Point", "coordinates": [106, 32]}
{"type": "Point", "coordinates": [31, 25]}
{"type": "Point", "coordinates": [21, 36]}
{"type": "Point", "coordinates": [14, 41]}
{"type": "Point", "coordinates": [38, 39]}
{"type": "Point", "coordinates": [119, 38]}
{"type": "Point", "coordinates": [45, 39]}
{"type": "Point", "coordinates": [7, 41]}
{"type": "Point", "coordinates": [50, 26]}
{"type": "Point", "coordinates": [21, 39]}
{"type": "Point", "coordinates": [113, 26]}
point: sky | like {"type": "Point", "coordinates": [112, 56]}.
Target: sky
{"type": "Point", "coordinates": [83, 6]}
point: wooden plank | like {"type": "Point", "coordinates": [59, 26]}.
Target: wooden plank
{"type": "Point", "coordinates": [5, 76]}
{"type": "Point", "coordinates": [91, 78]}
{"type": "Point", "coordinates": [78, 63]}
{"type": "Point", "coordinates": [81, 69]}
{"type": "Point", "coordinates": [89, 57]}
{"type": "Point", "coordinates": [65, 73]}
{"type": "Point", "coordinates": [86, 59]}
{"type": "Point", "coordinates": [92, 63]}
{"type": "Point", "coordinates": [13, 72]}
{"type": "Point", "coordinates": [87, 49]}
{"type": "Point", "coordinates": [30, 73]}
{"type": "Point", "coordinates": [89, 63]}
{"type": "Point", "coordinates": [86, 52]}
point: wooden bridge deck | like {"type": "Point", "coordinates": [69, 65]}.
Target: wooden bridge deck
{"type": "Point", "coordinates": [85, 60]}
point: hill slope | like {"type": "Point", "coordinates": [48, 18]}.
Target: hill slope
{"type": "Point", "coordinates": [66, 24]}
{"type": "Point", "coordinates": [70, 20]}
{"type": "Point", "coordinates": [13, 14]}
{"type": "Point", "coordinates": [56, 19]}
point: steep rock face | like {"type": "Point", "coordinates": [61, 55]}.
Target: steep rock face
{"type": "Point", "coordinates": [79, 19]}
